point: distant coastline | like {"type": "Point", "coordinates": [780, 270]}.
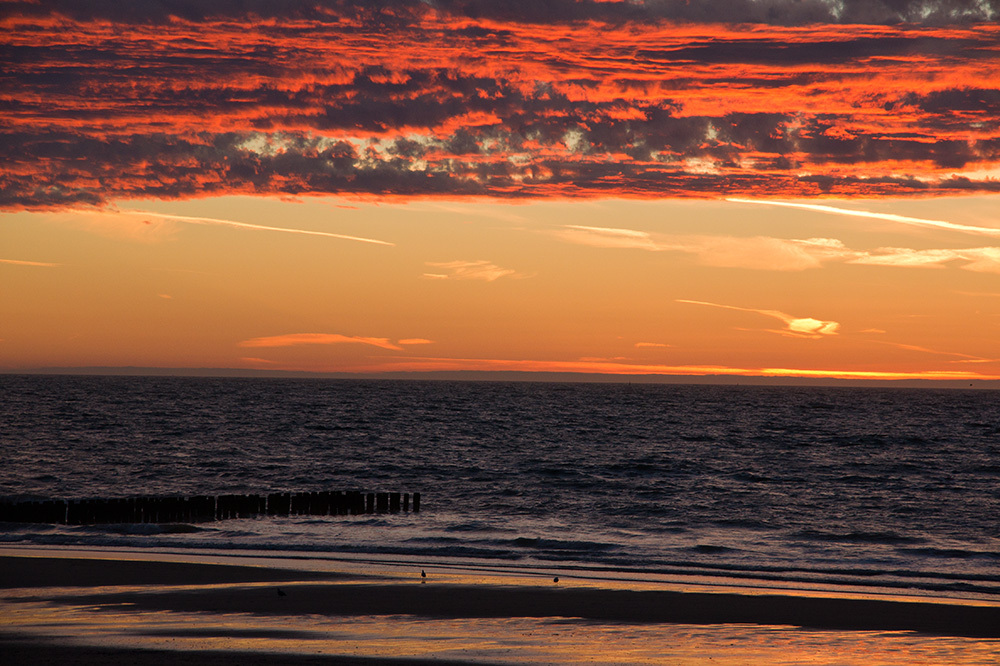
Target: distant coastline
{"type": "Point", "coordinates": [510, 376]}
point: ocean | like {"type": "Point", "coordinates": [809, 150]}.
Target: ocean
{"type": "Point", "coordinates": [870, 490]}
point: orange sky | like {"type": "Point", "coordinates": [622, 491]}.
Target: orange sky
{"type": "Point", "coordinates": [605, 187]}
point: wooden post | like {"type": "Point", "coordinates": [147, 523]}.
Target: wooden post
{"type": "Point", "coordinates": [199, 508]}
{"type": "Point", "coordinates": [325, 504]}
{"type": "Point", "coordinates": [208, 507]}
{"type": "Point", "coordinates": [222, 507]}
{"type": "Point", "coordinates": [357, 503]}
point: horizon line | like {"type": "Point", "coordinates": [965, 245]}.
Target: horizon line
{"type": "Point", "coordinates": [526, 376]}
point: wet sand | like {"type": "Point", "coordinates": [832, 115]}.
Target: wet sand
{"type": "Point", "coordinates": [22, 572]}
{"type": "Point", "coordinates": [28, 651]}
{"type": "Point", "coordinates": [239, 606]}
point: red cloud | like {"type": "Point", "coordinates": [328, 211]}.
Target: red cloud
{"type": "Point", "coordinates": [312, 98]}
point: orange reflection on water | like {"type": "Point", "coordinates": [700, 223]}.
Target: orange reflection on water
{"type": "Point", "coordinates": [509, 640]}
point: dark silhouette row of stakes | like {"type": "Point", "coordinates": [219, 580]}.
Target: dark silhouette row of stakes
{"type": "Point", "coordinates": [205, 508]}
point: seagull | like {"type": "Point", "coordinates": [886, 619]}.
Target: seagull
{"type": "Point", "coordinates": [423, 574]}
{"type": "Point", "coordinates": [281, 593]}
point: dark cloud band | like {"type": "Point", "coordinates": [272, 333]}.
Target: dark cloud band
{"type": "Point", "coordinates": [390, 12]}
{"type": "Point", "coordinates": [478, 99]}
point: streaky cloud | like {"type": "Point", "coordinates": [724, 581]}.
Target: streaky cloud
{"type": "Point", "coordinates": [781, 254]}
{"type": "Point", "coordinates": [469, 270]}
{"type": "Point", "coordinates": [755, 252]}
{"type": "Point", "coordinates": [298, 339]}
{"type": "Point", "coordinates": [964, 358]}
{"type": "Point", "coordinates": [890, 217]}
{"type": "Point", "coordinates": [425, 364]}
{"type": "Point", "coordinates": [21, 262]}
{"type": "Point", "coordinates": [254, 359]}
{"type": "Point", "coordinates": [254, 227]}
{"type": "Point", "coordinates": [977, 259]}
{"type": "Point", "coordinates": [607, 237]}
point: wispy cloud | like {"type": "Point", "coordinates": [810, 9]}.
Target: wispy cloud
{"type": "Point", "coordinates": [468, 270]}
{"type": "Point", "coordinates": [757, 252]}
{"type": "Point", "coordinates": [889, 217]}
{"type": "Point", "coordinates": [254, 227]}
{"type": "Point", "coordinates": [963, 358]}
{"type": "Point", "coordinates": [298, 339]}
{"type": "Point", "coordinates": [764, 253]}
{"type": "Point", "coordinates": [978, 259]}
{"type": "Point", "coordinates": [608, 237]}
{"type": "Point", "coordinates": [651, 344]}
{"type": "Point", "coordinates": [415, 341]}
{"type": "Point", "coordinates": [20, 262]}
{"type": "Point", "coordinates": [781, 254]}
{"type": "Point", "coordinates": [803, 327]}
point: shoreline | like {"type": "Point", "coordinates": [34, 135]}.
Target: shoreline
{"type": "Point", "coordinates": [167, 583]}
{"type": "Point", "coordinates": [25, 650]}
{"type": "Point", "coordinates": [142, 607]}
{"type": "Point", "coordinates": [528, 572]}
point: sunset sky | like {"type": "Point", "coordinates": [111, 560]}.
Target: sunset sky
{"type": "Point", "coordinates": [748, 187]}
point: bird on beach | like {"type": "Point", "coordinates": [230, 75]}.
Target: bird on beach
{"type": "Point", "coordinates": [423, 574]}
{"type": "Point", "coordinates": [281, 593]}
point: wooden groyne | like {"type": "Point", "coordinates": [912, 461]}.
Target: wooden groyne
{"type": "Point", "coordinates": [204, 508]}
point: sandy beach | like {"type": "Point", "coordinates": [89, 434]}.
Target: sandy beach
{"type": "Point", "coordinates": [70, 607]}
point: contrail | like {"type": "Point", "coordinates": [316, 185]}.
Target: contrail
{"type": "Point", "coordinates": [257, 227]}
{"type": "Point", "coordinates": [18, 262]}
{"type": "Point", "coordinates": [806, 326]}
{"type": "Point", "coordinates": [890, 217]}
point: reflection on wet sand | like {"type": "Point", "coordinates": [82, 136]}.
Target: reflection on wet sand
{"type": "Point", "coordinates": [464, 620]}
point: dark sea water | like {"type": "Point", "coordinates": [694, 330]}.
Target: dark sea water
{"type": "Point", "coordinates": [894, 489]}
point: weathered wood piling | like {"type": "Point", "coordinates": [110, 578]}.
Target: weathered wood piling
{"type": "Point", "coordinates": [204, 508]}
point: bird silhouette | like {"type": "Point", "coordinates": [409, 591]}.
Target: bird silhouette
{"type": "Point", "coordinates": [423, 574]}
{"type": "Point", "coordinates": [281, 593]}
